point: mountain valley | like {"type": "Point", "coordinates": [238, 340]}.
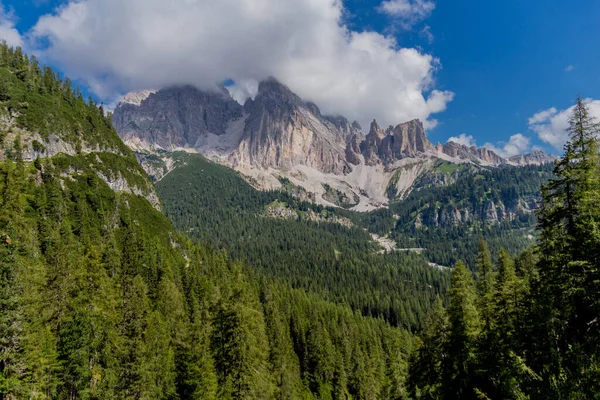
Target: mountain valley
{"type": "Point", "coordinates": [393, 183]}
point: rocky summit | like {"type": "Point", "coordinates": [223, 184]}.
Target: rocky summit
{"type": "Point", "coordinates": [279, 135]}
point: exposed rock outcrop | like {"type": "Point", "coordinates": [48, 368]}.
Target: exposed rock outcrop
{"type": "Point", "coordinates": [175, 117]}
{"type": "Point", "coordinates": [405, 140]}
{"type": "Point", "coordinates": [472, 153]}
{"type": "Point", "coordinates": [283, 131]}
{"type": "Point", "coordinates": [536, 157]}
{"type": "Point", "coordinates": [277, 134]}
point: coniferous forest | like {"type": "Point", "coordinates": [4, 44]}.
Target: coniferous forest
{"type": "Point", "coordinates": [101, 297]}
{"type": "Point", "coordinates": [527, 327]}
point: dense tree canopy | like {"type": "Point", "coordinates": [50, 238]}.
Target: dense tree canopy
{"type": "Point", "coordinates": [540, 336]}
{"type": "Point", "coordinates": [100, 298]}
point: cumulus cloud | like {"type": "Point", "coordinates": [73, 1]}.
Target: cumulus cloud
{"type": "Point", "coordinates": [463, 139]}
{"type": "Point", "coordinates": [8, 31]}
{"type": "Point", "coordinates": [408, 12]}
{"type": "Point", "coordinates": [551, 124]}
{"type": "Point", "coordinates": [121, 45]}
{"type": "Point", "coordinates": [569, 68]}
{"type": "Point", "coordinates": [517, 144]}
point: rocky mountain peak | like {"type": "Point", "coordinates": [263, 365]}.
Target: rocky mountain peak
{"type": "Point", "coordinates": [174, 117]}
{"type": "Point", "coordinates": [283, 131]}
{"type": "Point", "coordinates": [136, 98]}
{"type": "Point", "coordinates": [404, 140]}
{"type": "Point", "coordinates": [274, 90]}
{"type": "Point", "coordinates": [279, 133]}
{"type": "Point", "coordinates": [412, 136]}
{"type": "Point", "coordinates": [472, 153]}
{"type": "Point", "coordinates": [537, 157]}
{"type": "Point", "coordinates": [375, 131]}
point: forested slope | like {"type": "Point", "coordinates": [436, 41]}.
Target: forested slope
{"type": "Point", "coordinates": [337, 260]}
{"type": "Point", "coordinates": [448, 220]}
{"type": "Point", "coordinates": [527, 328]}
{"type": "Point", "coordinates": [101, 298]}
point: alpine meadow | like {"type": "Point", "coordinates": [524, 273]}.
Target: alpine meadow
{"type": "Point", "coordinates": [284, 199]}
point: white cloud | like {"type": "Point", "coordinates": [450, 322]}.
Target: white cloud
{"type": "Point", "coordinates": [463, 139]}
{"type": "Point", "coordinates": [517, 144]}
{"type": "Point", "coordinates": [542, 116]}
{"type": "Point", "coordinates": [243, 89]}
{"type": "Point", "coordinates": [8, 31]}
{"type": "Point", "coordinates": [551, 124]}
{"type": "Point", "coordinates": [569, 68]}
{"type": "Point", "coordinates": [426, 33]}
{"type": "Point", "coordinates": [122, 45]}
{"type": "Point", "coordinates": [408, 12]}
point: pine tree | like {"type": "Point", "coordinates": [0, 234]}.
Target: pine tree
{"type": "Point", "coordinates": [465, 327]}
{"type": "Point", "coordinates": [485, 285]}
{"type": "Point", "coordinates": [568, 295]}
{"type": "Point", "coordinates": [501, 365]}
{"type": "Point", "coordinates": [426, 367]}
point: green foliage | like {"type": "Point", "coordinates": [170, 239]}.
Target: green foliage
{"type": "Point", "coordinates": [339, 198]}
{"type": "Point", "coordinates": [100, 298]}
{"type": "Point", "coordinates": [45, 104]}
{"type": "Point", "coordinates": [214, 205]}
{"type": "Point", "coordinates": [540, 336]}
{"type": "Point", "coordinates": [567, 294]}
{"type": "Point", "coordinates": [465, 327]}
{"type": "Point", "coordinates": [427, 218]}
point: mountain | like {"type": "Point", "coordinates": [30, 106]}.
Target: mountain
{"type": "Point", "coordinates": [278, 135]}
{"type": "Point", "coordinates": [282, 131]}
{"type": "Point", "coordinates": [537, 157]}
{"type": "Point", "coordinates": [175, 118]}
{"type": "Point", "coordinates": [100, 297]}
{"type": "Point", "coordinates": [404, 140]}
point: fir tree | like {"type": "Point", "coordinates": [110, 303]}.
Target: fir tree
{"type": "Point", "coordinates": [426, 368]}
{"type": "Point", "coordinates": [464, 330]}
{"type": "Point", "coordinates": [567, 296]}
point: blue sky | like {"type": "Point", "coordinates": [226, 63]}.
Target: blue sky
{"type": "Point", "coordinates": [502, 61]}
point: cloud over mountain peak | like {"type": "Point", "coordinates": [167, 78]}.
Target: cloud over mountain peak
{"type": "Point", "coordinates": [122, 45]}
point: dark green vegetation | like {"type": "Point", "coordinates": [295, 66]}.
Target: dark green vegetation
{"type": "Point", "coordinates": [43, 103]}
{"type": "Point", "coordinates": [528, 328]}
{"type": "Point", "coordinates": [100, 298]}
{"type": "Point", "coordinates": [338, 198]}
{"type": "Point", "coordinates": [448, 220]}
{"type": "Point", "coordinates": [215, 205]}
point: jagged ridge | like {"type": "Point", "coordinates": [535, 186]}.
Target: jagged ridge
{"type": "Point", "coordinates": [279, 134]}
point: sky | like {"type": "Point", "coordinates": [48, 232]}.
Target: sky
{"type": "Point", "coordinates": [500, 74]}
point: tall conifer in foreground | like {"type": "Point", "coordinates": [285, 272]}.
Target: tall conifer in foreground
{"type": "Point", "coordinates": [465, 327]}
{"type": "Point", "coordinates": [568, 295]}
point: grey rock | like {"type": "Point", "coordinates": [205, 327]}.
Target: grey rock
{"type": "Point", "coordinates": [536, 157]}
{"type": "Point", "coordinates": [176, 117]}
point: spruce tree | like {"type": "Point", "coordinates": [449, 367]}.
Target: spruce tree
{"type": "Point", "coordinates": [426, 367]}
{"type": "Point", "coordinates": [465, 327]}
{"type": "Point", "coordinates": [568, 295]}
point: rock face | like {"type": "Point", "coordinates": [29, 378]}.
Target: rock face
{"type": "Point", "coordinates": [282, 131]}
{"type": "Point", "coordinates": [405, 140]}
{"type": "Point", "coordinates": [535, 158]}
{"type": "Point", "coordinates": [277, 134]}
{"type": "Point", "coordinates": [175, 117]}
{"type": "Point", "coordinates": [473, 153]}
